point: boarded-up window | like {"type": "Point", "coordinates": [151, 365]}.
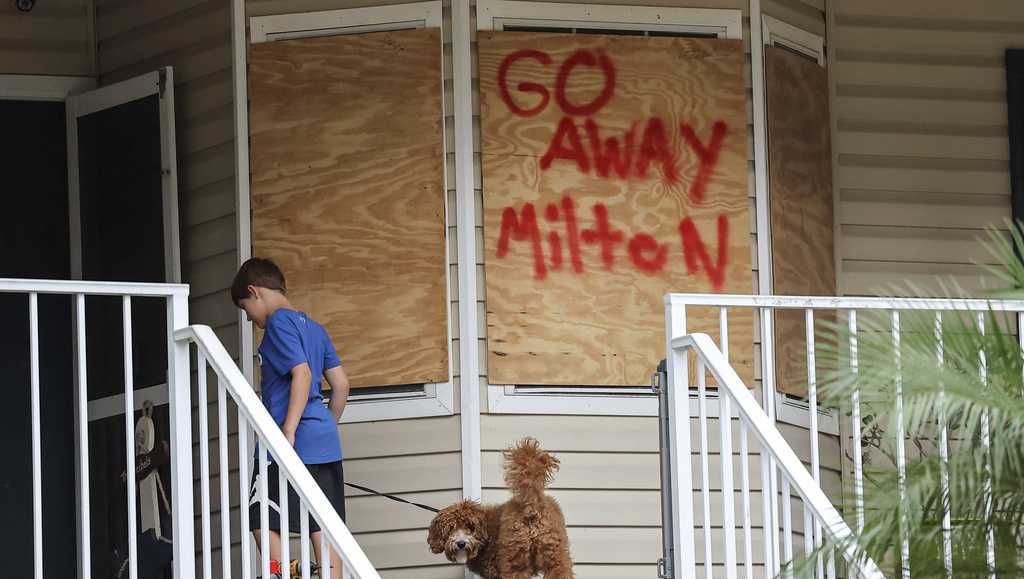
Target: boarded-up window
{"type": "Point", "coordinates": [348, 193]}
{"type": "Point", "coordinates": [614, 171]}
{"type": "Point", "coordinates": [800, 177]}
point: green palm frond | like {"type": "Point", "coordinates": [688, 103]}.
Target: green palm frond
{"type": "Point", "coordinates": [977, 391]}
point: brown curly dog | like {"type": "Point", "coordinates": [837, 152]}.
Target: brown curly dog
{"type": "Point", "coordinates": [514, 540]}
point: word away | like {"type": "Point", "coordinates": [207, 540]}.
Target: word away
{"type": "Point", "coordinates": [623, 157]}
{"type": "Point", "coordinates": [645, 253]}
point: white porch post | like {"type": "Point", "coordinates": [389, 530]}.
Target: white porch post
{"type": "Point", "coordinates": [179, 396]}
{"type": "Point", "coordinates": [466, 207]}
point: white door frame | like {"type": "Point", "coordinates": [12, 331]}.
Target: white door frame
{"type": "Point", "coordinates": [79, 105]}
{"type": "Point", "coordinates": [30, 87]}
{"type": "Point", "coordinates": [27, 87]}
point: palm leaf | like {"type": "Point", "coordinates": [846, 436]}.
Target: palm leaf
{"type": "Point", "coordinates": [978, 393]}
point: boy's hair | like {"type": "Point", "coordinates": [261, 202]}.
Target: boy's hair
{"type": "Point", "coordinates": [259, 272]}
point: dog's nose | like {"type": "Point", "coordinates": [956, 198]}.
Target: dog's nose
{"type": "Point", "coordinates": [460, 544]}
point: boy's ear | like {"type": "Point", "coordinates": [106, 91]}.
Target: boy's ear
{"type": "Point", "coordinates": [254, 292]}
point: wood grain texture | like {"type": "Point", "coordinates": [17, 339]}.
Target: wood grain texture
{"type": "Point", "coordinates": [348, 194]}
{"type": "Point", "coordinates": [800, 176]}
{"type": "Point", "coordinates": [605, 325]}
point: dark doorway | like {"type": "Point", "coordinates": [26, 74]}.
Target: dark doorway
{"type": "Point", "coordinates": [34, 238]}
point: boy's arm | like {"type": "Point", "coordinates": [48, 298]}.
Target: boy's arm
{"type": "Point", "coordinates": [302, 380]}
{"type": "Point", "coordinates": [339, 390]}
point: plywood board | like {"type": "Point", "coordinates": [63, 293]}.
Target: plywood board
{"type": "Point", "coordinates": [800, 176]}
{"type": "Point", "coordinates": [348, 194]}
{"type": "Point", "coordinates": [603, 191]}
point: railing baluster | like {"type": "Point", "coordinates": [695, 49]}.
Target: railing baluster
{"type": "Point", "coordinates": [947, 523]}
{"type": "Point", "coordinates": [787, 529]}
{"type": "Point", "coordinates": [812, 412]}
{"type": "Point", "coordinates": [705, 487]}
{"type": "Point", "coordinates": [901, 451]}
{"type": "Point", "coordinates": [855, 419]}
{"type": "Point", "coordinates": [748, 547]}
{"type": "Point", "coordinates": [723, 331]}
{"type": "Point", "coordinates": [325, 555]}
{"type": "Point", "coordinates": [304, 538]}
{"type": "Point", "coordinates": [37, 463]}
{"type": "Point", "coordinates": [986, 444]}
{"type": "Point", "coordinates": [728, 489]}
{"type": "Point", "coordinates": [82, 441]}
{"type": "Point", "coordinates": [808, 535]}
{"type": "Point", "coordinates": [264, 509]}
{"type": "Point", "coordinates": [1020, 337]}
{"type": "Point", "coordinates": [129, 434]}
{"type": "Point", "coordinates": [766, 508]}
{"type": "Point", "coordinates": [246, 494]}
{"type": "Point", "coordinates": [776, 529]}
{"type": "Point", "coordinates": [282, 501]}
{"type": "Point", "coordinates": [204, 463]}
{"type": "Point", "coordinates": [225, 475]}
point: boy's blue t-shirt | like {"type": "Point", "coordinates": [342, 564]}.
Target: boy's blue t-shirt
{"type": "Point", "coordinates": [292, 338]}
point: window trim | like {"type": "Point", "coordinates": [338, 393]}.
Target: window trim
{"type": "Point", "coordinates": [345, 21]}
{"type": "Point", "coordinates": [430, 399]}
{"type": "Point", "coordinates": [777, 32]}
{"type": "Point", "coordinates": [790, 410]}
{"type": "Point", "coordinates": [495, 15]}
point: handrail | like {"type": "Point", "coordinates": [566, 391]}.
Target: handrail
{"type": "Point", "coordinates": [101, 288]}
{"type": "Point", "coordinates": [288, 461]}
{"type": "Point", "coordinates": [773, 442]}
{"type": "Point", "coordinates": [844, 303]}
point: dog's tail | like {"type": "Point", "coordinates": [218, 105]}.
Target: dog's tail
{"type": "Point", "coordinates": [528, 468]}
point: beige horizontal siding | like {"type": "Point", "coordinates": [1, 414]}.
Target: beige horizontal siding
{"type": "Point", "coordinates": [609, 483]}
{"type": "Point", "coordinates": [54, 38]}
{"type": "Point", "coordinates": [922, 151]}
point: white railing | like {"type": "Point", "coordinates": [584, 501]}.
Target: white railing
{"type": "Point", "coordinates": [252, 421]}
{"type": "Point", "coordinates": [176, 297]}
{"type": "Point", "coordinates": [776, 456]}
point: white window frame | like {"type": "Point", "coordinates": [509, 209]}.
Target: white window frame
{"type": "Point", "coordinates": [82, 103]}
{"type": "Point", "coordinates": [496, 15]}
{"type": "Point", "coordinates": [778, 33]}
{"type": "Point", "coordinates": [791, 410]}
{"type": "Point", "coordinates": [365, 405]}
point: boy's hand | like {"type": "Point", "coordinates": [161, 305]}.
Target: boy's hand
{"type": "Point", "coordinates": [290, 435]}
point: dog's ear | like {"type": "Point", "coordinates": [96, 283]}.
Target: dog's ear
{"type": "Point", "coordinates": [479, 524]}
{"type": "Point", "coordinates": [438, 534]}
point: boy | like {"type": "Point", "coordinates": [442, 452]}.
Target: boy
{"type": "Point", "coordinates": [294, 354]}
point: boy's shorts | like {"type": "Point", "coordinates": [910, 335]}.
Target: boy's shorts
{"type": "Point", "coordinates": [329, 476]}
